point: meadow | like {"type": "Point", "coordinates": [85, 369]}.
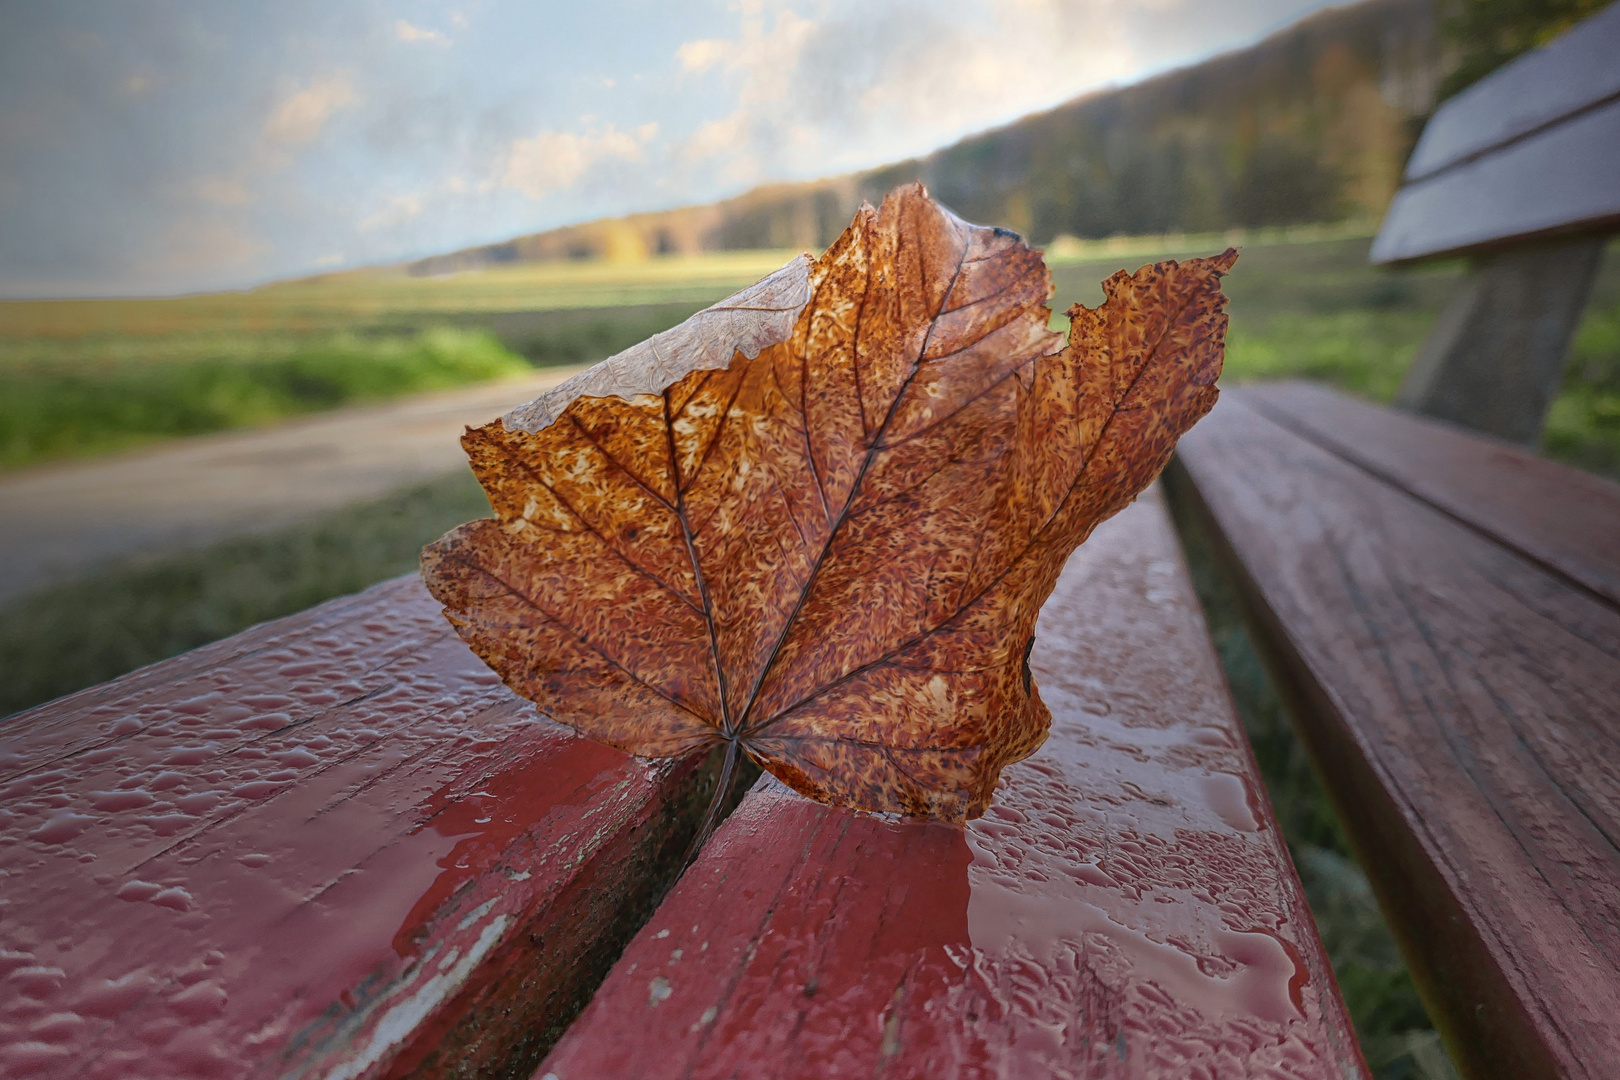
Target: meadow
{"type": "Point", "coordinates": [83, 377]}
{"type": "Point", "coordinates": [78, 378]}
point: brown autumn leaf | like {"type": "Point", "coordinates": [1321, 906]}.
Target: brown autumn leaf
{"type": "Point", "coordinates": [817, 521]}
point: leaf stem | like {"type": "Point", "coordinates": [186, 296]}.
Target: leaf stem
{"type": "Point", "coordinates": [712, 817]}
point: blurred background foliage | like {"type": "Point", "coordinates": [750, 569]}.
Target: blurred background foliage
{"type": "Point", "coordinates": [1485, 34]}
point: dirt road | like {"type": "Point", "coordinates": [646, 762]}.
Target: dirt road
{"type": "Point", "coordinates": [60, 521]}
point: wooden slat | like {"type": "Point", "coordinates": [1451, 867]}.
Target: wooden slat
{"type": "Point", "coordinates": [1126, 908]}
{"type": "Point", "coordinates": [331, 846]}
{"type": "Point", "coordinates": [1461, 703]}
{"type": "Point", "coordinates": [1559, 180]}
{"type": "Point", "coordinates": [1573, 72]}
{"type": "Point", "coordinates": [1562, 518]}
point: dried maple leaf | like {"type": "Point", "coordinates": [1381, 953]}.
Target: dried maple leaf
{"type": "Point", "coordinates": [818, 520]}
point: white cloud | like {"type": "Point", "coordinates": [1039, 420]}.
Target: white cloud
{"type": "Point", "coordinates": [400, 209]}
{"type": "Point", "coordinates": [299, 118]}
{"type": "Point", "coordinates": [553, 160]}
{"type": "Point", "coordinates": [194, 243]}
{"type": "Point", "coordinates": [334, 259]}
{"type": "Point", "coordinates": [222, 191]}
{"type": "Point", "coordinates": [701, 55]}
{"type": "Point", "coordinates": [417, 35]}
{"type": "Point", "coordinates": [861, 83]}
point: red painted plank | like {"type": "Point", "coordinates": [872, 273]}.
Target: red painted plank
{"type": "Point", "coordinates": [1461, 704]}
{"type": "Point", "coordinates": [1126, 908]}
{"type": "Point", "coordinates": [331, 846]}
{"type": "Point", "coordinates": [1562, 518]}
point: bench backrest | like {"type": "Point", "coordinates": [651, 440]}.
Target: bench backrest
{"type": "Point", "coordinates": [1531, 150]}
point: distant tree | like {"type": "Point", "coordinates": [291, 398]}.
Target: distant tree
{"type": "Point", "coordinates": [1284, 182]}
{"type": "Point", "coordinates": [1489, 33]}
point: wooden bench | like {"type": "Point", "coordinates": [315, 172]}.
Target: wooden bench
{"type": "Point", "coordinates": [330, 846]}
{"type": "Point", "coordinates": [1442, 614]}
{"type": "Point", "coordinates": [1126, 908]}
{"type": "Point", "coordinates": [334, 846]}
{"type": "Point", "coordinates": [1521, 174]}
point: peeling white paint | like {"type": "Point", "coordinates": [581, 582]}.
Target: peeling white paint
{"type": "Point", "coordinates": [398, 1022]}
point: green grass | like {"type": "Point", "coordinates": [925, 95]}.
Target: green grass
{"type": "Point", "coordinates": [66, 637]}
{"type": "Point", "coordinates": [372, 298]}
{"type": "Point", "coordinates": [1314, 309]}
{"type": "Point", "coordinates": [1583, 426]}
{"type": "Point", "coordinates": [111, 396]}
{"type": "Point", "coordinates": [83, 377]}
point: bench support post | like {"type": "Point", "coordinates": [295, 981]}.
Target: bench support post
{"type": "Point", "coordinates": [1495, 357]}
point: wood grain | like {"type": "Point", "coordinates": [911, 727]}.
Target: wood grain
{"type": "Point", "coordinates": [1573, 72]}
{"type": "Point", "coordinates": [1564, 519]}
{"type": "Point", "coordinates": [332, 846]}
{"type": "Point", "coordinates": [1560, 179]}
{"type": "Point", "coordinates": [1461, 703]}
{"type": "Point", "coordinates": [1126, 907]}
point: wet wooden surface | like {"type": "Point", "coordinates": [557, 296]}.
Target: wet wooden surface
{"type": "Point", "coordinates": [1125, 909]}
{"type": "Point", "coordinates": [1452, 656]}
{"type": "Point", "coordinates": [1564, 519]}
{"type": "Point", "coordinates": [331, 846]}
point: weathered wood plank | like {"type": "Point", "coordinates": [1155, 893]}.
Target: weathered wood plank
{"type": "Point", "coordinates": [1461, 703]}
{"type": "Point", "coordinates": [1562, 518]}
{"type": "Point", "coordinates": [331, 846]}
{"type": "Point", "coordinates": [1571, 73]}
{"type": "Point", "coordinates": [1126, 908]}
{"type": "Point", "coordinates": [1561, 179]}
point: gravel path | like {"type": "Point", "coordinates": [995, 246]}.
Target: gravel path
{"type": "Point", "coordinates": [61, 521]}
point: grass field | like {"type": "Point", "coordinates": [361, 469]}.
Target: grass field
{"type": "Point", "coordinates": [1302, 305]}
{"type": "Point", "coordinates": [59, 639]}
{"type": "Point", "coordinates": [90, 376]}
{"type": "Point", "coordinates": [1316, 310]}
{"type": "Point", "coordinates": [85, 377]}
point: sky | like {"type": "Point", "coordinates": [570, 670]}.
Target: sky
{"type": "Point", "coordinates": [183, 145]}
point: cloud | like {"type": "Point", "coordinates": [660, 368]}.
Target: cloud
{"type": "Point", "coordinates": [196, 145]}
{"type": "Point", "coordinates": [415, 35]}
{"type": "Point", "coordinates": [222, 191]}
{"type": "Point", "coordinates": [860, 83]}
{"type": "Point", "coordinates": [191, 244]}
{"type": "Point", "coordinates": [400, 209]}
{"type": "Point", "coordinates": [701, 55]}
{"type": "Point", "coordinates": [553, 160]}
{"type": "Point", "coordinates": [298, 119]}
